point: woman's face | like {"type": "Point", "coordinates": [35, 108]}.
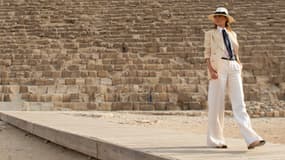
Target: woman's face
{"type": "Point", "coordinates": [220, 20]}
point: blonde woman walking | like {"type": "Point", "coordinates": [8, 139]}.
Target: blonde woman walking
{"type": "Point", "coordinates": [224, 72]}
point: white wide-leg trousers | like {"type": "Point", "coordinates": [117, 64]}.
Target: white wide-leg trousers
{"type": "Point", "coordinates": [229, 77]}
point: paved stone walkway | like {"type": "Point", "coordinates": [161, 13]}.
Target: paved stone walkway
{"type": "Point", "coordinates": [103, 139]}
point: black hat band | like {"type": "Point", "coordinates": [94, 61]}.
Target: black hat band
{"type": "Point", "coordinates": [221, 13]}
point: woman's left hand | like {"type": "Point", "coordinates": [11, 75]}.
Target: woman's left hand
{"type": "Point", "coordinates": [240, 64]}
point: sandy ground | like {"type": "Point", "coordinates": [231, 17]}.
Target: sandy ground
{"type": "Point", "coordinates": [271, 129]}
{"type": "Point", "coordinates": [16, 144]}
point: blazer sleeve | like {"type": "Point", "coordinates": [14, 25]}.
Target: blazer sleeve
{"type": "Point", "coordinates": [236, 39]}
{"type": "Point", "coordinates": [237, 44]}
{"type": "Point", "coordinates": [207, 45]}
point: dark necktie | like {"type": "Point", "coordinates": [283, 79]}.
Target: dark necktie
{"type": "Point", "coordinates": [227, 43]}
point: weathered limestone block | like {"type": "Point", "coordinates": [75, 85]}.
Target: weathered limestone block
{"type": "Point", "coordinates": [57, 98]}
{"type": "Point", "coordinates": [172, 106]}
{"type": "Point", "coordinates": [111, 97]}
{"type": "Point", "coordinates": [7, 98]}
{"type": "Point", "coordinates": [33, 97]}
{"type": "Point", "coordinates": [6, 62]}
{"type": "Point", "coordinates": [40, 82]}
{"type": "Point", "coordinates": [160, 97]}
{"type": "Point", "coordinates": [45, 98]}
{"type": "Point", "coordinates": [74, 97]}
{"type": "Point", "coordinates": [91, 106]}
{"type": "Point", "coordinates": [102, 74]}
{"type": "Point", "coordinates": [144, 106]}
{"type": "Point", "coordinates": [23, 89]}
{"type": "Point", "coordinates": [106, 81]}
{"type": "Point", "coordinates": [4, 74]}
{"type": "Point", "coordinates": [165, 80]}
{"type": "Point", "coordinates": [66, 98]}
{"type": "Point", "coordinates": [104, 106]}
{"type": "Point", "coordinates": [70, 81]}
{"type": "Point", "coordinates": [43, 68]}
{"type": "Point", "coordinates": [122, 106]}
{"type": "Point", "coordinates": [51, 74]}
{"type": "Point", "coordinates": [69, 74]}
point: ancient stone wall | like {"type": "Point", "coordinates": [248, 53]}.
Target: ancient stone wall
{"type": "Point", "coordinates": [131, 54]}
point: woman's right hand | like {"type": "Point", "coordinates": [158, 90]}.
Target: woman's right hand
{"type": "Point", "coordinates": [213, 73]}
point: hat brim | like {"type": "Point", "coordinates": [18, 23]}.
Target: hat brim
{"type": "Point", "coordinates": [230, 18]}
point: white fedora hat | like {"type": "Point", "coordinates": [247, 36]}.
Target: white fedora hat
{"type": "Point", "coordinates": [222, 11]}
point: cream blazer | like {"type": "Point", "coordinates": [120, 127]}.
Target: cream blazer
{"type": "Point", "coordinates": [215, 48]}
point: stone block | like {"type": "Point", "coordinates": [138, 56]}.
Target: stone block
{"type": "Point", "coordinates": [165, 80]}
{"type": "Point", "coordinates": [7, 98]}
{"type": "Point", "coordinates": [122, 106]}
{"type": "Point", "coordinates": [70, 81]}
{"type": "Point", "coordinates": [102, 74]}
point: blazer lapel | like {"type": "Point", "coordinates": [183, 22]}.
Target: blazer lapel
{"type": "Point", "coordinates": [219, 39]}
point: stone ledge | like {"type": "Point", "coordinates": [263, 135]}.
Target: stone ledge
{"type": "Point", "coordinates": [90, 146]}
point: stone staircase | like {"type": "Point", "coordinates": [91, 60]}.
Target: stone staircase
{"type": "Point", "coordinates": [131, 54]}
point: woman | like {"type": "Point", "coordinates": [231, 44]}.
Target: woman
{"type": "Point", "coordinates": [224, 72]}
